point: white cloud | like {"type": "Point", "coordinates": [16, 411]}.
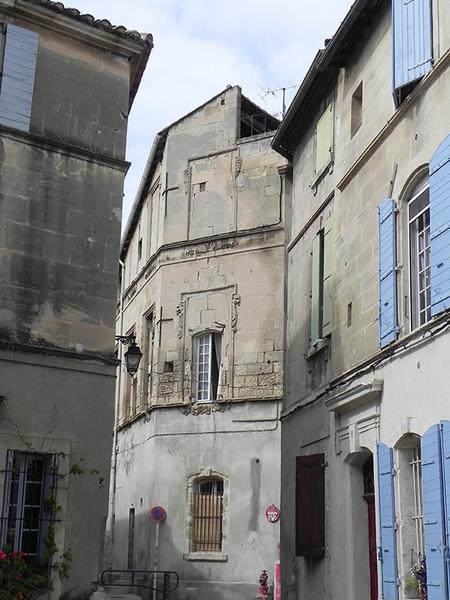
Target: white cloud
{"type": "Point", "coordinates": [203, 45]}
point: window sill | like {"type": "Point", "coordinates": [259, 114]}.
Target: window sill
{"type": "Point", "coordinates": [318, 347]}
{"type": "Point", "coordinates": [206, 556]}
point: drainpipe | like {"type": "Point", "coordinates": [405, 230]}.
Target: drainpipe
{"type": "Point", "coordinates": [113, 475]}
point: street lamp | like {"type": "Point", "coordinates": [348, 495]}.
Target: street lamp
{"type": "Point", "coordinates": [133, 354]}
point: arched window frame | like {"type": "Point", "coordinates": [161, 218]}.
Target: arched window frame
{"type": "Point", "coordinates": [193, 483]}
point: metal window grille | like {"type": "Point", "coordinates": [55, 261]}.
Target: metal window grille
{"type": "Point", "coordinates": [416, 466]}
{"type": "Point", "coordinates": [28, 501]}
{"type": "Point", "coordinates": [208, 516]}
{"type": "Point", "coordinates": [419, 244]}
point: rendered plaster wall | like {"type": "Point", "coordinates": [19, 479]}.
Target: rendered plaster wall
{"type": "Point", "coordinates": [47, 406]}
{"type": "Point", "coordinates": [156, 456]}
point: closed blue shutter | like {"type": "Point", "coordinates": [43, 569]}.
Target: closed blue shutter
{"type": "Point", "coordinates": [19, 65]}
{"type": "Point", "coordinates": [413, 47]}
{"type": "Point", "coordinates": [433, 518]}
{"type": "Point", "coordinates": [387, 250]}
{"type": "Point", "coordinates": [440, 228]}
{"type": "Point", "coordinates": [386, 510]}
{"type": "Point", "coordinates": [445, 457]}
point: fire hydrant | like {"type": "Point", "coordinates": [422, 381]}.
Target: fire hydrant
{"type": "Point", "coordinates": [263, 589]}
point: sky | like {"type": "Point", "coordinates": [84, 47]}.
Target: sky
{"type": "Point", "coordinates": [201, 46]}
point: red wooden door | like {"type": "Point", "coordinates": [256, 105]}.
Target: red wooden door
{"type": "Point", "coordinates": [370, 499]}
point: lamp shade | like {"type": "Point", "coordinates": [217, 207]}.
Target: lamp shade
{"type": "Point", "coordinates": [133, 358]}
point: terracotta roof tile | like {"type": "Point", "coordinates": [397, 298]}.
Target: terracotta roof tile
{"type": "Point", "coordinates": [104, 24]}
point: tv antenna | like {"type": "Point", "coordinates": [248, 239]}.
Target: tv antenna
{"type": "Point", "coordinates": [275, 91]}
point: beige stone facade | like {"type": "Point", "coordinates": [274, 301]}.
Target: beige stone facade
{"type": "Point", "coordinates": [344, 394]}
{"type": "Point", "coordinates": [203, 256]}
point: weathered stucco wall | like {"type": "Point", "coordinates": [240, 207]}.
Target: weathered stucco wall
{"type": "Point", "coordinates": [212, 241]}
{"type": "Point", "coordinates": [47, 406]}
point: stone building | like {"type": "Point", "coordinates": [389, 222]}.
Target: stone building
{"type": "Point", "coordinates": [202, 290]}
{"type": "Point", "coordinates": [68, 82]}
{"type": "Point", "coordinates": [365, 421]}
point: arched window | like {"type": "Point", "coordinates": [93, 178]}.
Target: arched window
{"type": "Point", "coordinates": [207, 513]}
{"type": "Point", "coordinates": [419, 254]}
{"type": "Point", "coordinates": [207, 349]}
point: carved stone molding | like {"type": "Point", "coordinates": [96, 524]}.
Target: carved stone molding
{"type": "Point", "coordinates": [187, 179]}
{"type": "Point", "coordinates": [180, 315]}
{"type": "Point", "coordinates": [237, 166]}
{"type": "Point", "coordinates": [236, 300]}
{"type": "Point", "coordinates": [203, 409]}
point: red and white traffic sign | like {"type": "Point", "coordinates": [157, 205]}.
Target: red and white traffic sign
{"type": "Point", "coordinates": [158, 514]}
{"type": "Point", "coordinates": [272, 513]}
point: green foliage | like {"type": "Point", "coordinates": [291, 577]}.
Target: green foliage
{"type": "Point", "coordinates": [20, 578]}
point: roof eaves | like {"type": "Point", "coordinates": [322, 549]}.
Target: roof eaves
{"type": "Point", "coordinates": [103, 24]}
{"type": "Point", "coordinates": [321, 63]}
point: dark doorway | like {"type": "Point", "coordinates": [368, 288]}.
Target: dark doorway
{"type": "Point", "coordinates": [369, 497]}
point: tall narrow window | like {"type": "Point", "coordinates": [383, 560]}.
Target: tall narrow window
{"type": "Point", "coordinates": [147, 358]}
{"type": "Point", "coordinates": [356, 110]}
{"type": "Point", "coordinates": [324, 135]}
{"type": "Point", "coordinates": [410, 506]}
{"type": "Point", "coordinates": [321, 292]}
{"type": "Point", "coordinates": [29, 482]}
{"type": "Point", "coordinates": [419, 255]}
{"type": "Point", "coordinates": [131, 520]}
{"type": "Point", "coordinates": [208, 366]}
{"type": "Point", "coordinates": [207, 531]}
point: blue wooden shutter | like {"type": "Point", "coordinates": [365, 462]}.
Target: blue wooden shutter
{"type": "Point", "coordinates": [19, 65]}
{"type": "Point", "coordinates": [413, 46]}
{"type": "Point", "coordinates": [433, 517]}
{"type": "Point", "coordinates": [445, 463]}
{"type": "Point", "coordinates": [440, 228]}
{"type": "Point", "coordinates": [387, 251]}
{"type": "Point", "coordinates": [386, 511]}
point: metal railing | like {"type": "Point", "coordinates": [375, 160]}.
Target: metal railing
{"type": "Point", "coordinates": [161, 582]}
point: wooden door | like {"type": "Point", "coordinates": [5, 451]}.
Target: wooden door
{"type": "Point", "coordinates": [370, 499]}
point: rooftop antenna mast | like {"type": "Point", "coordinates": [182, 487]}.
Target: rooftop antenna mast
{"type": "Point", "coordinates": [274, 92]}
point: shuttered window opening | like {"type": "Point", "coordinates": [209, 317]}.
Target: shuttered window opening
{"type": "Point", "coordinates": [28, 500]}
{"type": "Point", "coordinates": [18, 75]}
{"type": "Point", "coordinates": [440, 228]}
{"type": "Point", "coordinates": [310, 506]}
{"type": "Point", "coordinates": [419, 256]}
{"type": "Point", "coordinates": [387, 522]}
{"type": "Point", "coordinates": [412, 44]}
{"type": "Point", "coordinates": [321, 284]}
{"type": "Point", "coordinates": [387, 265]}
{"type": "Point", "coordinates": [207, 531]}
{"type": "Point", "coordinates": [324, 137]}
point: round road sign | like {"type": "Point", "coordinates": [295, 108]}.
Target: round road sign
{"type": "Point", "coordinates": [158, 514]}
{"type": "Point", "coordinates": [272, 513]}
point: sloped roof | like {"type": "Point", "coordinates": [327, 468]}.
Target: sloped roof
{"type": "Point", "coordinates": [322, 74]}
{"type": "Point", "coordinates": [155, 156]}
{"type": "Point", "coordinates": [104, 24]}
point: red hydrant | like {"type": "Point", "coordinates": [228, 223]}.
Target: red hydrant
{"type": "Point", "coordinates": [263, 589]}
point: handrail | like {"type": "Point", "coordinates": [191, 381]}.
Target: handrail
{"type": "Point", "coordinates": [170, 580]}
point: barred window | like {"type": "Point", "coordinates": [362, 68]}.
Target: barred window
{"type": "Point", "coordinates": [30, 485]}
{"type": "Point", "coordinates": [207, 532]}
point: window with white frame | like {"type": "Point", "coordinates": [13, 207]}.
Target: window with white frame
{"type": "Point", "coordinates": [208, 354]}
{"type": "Point", "coordinates": [30, 484]}
{"type": "Point", "coordinates": [419, 254]}
{"type": "Point", "coordinates": [207, 513]}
